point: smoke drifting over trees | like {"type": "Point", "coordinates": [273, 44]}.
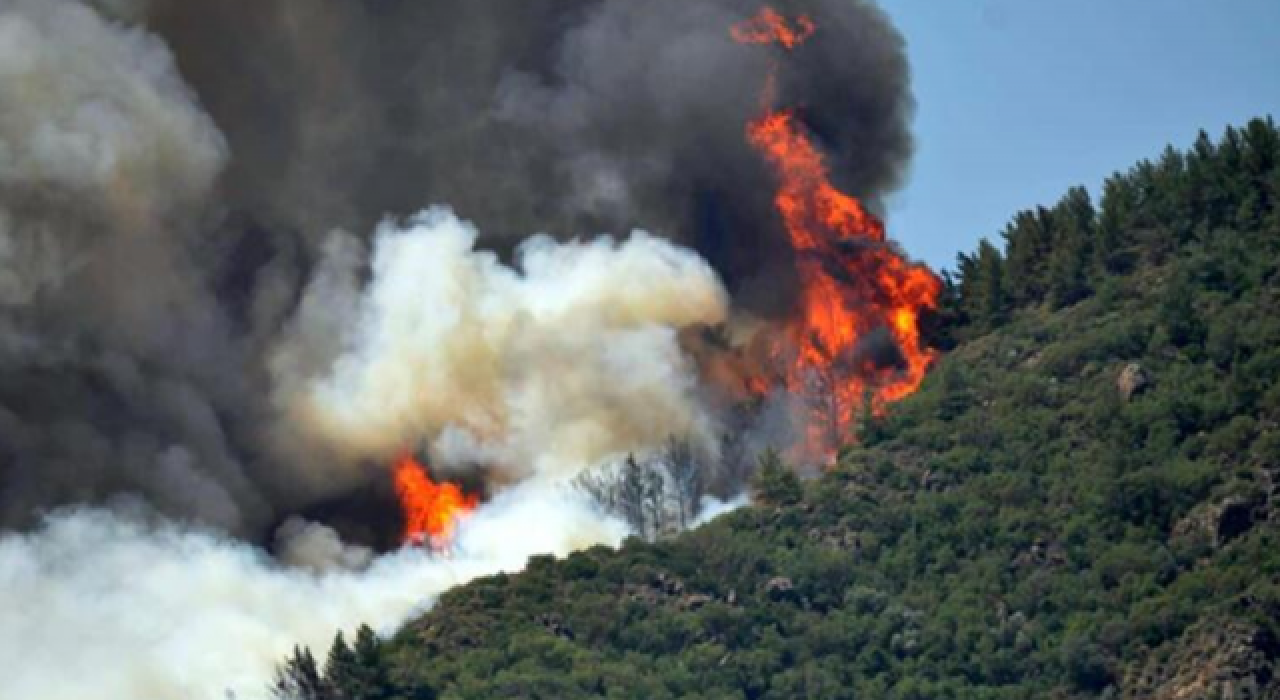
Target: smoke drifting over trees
{"type": "Point", "coordinates": [219, 306]}
{"type": "Point", "coordinates": [173, 170]}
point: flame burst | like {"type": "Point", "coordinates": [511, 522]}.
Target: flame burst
{"type": "Point", "coordinates": [769, 27]}
{"type": "Point", "coordinates": [431, 510]}
{"type": "Point", "coordinates": [854, 286]}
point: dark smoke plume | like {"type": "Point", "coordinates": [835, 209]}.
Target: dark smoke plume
{"type": "Point", "coordinates": [148, 267]}
{"type": "Point", "coordinates": [570, 117]}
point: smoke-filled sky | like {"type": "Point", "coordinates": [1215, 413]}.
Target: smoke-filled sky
{"type": "Point", "coordinates": [252, 251]}
{"type": "Point", "coordinates": [189, 191]}
{"type": "Point", "coordinates": [1017, 101]}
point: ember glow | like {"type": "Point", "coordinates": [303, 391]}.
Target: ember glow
{"type": "Point", "coordinates": [431, 510]}
{"type": "Point", "coordinates": [854, 285]}
{"type": "Point", "coordinates": [769, 27]}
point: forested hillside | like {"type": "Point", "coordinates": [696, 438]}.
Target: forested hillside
{"type": "Point", "coordinates": [1082, 501]}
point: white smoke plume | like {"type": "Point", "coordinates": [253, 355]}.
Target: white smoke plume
{"type": "Point", "coordinates": [566, 359]}
{"type": "Point", "coordinates": [107, 606]}
{"type": "Point", "coordinates": [537, 370]}
{"type": "Point", "coordinates": [155, 347]}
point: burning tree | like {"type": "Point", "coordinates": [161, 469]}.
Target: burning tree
{"type": "Point", "coordinates": [857, 291]}
{"type": "Point", "coordinates": [431, 510]}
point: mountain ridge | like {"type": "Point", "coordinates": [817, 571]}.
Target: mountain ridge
{"type": "Point", "coordinates": [1081, 501]}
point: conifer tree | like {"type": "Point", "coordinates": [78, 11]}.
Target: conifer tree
{"type": "Point", "coordinates": [299, 679]}
{"type": "Point", "coordinates": [1075, 221]}
{"type": "Point", "coordinates": [990, 298]}
{"type": "Point", "coordinates": [1115, 219]}
{"type": "Point", "coordinates": [1028, 243]}
{"type": "Point", "coordinates": [775, 482]}
{"type": "Point", "coordinates": [341, 669]}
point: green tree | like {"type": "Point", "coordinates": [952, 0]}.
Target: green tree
{"type": "Point", "coordinates": [1115, 217]}
{"type": "Point", "coordinates": [1075, 229]}
{"type": "Point", "coordinates": [1028, 244]}
{"type": "Point", "coordinates": [1177, 309]}
{"type": "Point", "coordinates": [298, 678]}
{"type": "Point", "coordinates": [775, 482]}
{"type": "Point", "coordinates": [357, 672]}
{"type": "Point", "coordinates": [985, 292]}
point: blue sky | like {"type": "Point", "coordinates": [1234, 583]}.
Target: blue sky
{"type": "Point", "coordinates": [1017, 100]}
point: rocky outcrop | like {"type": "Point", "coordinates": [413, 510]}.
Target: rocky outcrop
{"type": "Point", "coordinates": [1132, 381]}
{"type": "Point", "coordinates": [781, 588]}
{"type": "Point", "coordinates": [1218, 522]}
{"type": "Point", "coordinates": [1041, 554]}
{"type": "Point", "coordinates": [556, 625]}
{"type": "Point", "coordinates": [665, 589]}
{"type": "Point", "coordinates": [1216, 660]}
{"type": "Point", "coordinates": [837, 538]}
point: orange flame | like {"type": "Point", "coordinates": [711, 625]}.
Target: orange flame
{"type": "Point", "coordinates": [769, 27]}
{"type": "Point", "coordinates": [853, 283]}
{"type": "Point", "coordinates": [431, 510]}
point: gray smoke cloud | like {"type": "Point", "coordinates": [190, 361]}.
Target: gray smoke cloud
{"type": "Point", "coordinates": [172, 172]}
{"type": "Point", "coordinates": [218, 310]}
{"type": "Point", "coordinates": [115, 360]}
{"type": "Point", "coordinates": [566, 116]}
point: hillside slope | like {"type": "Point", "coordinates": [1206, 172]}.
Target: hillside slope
{"type": "Point", "coordinates": [1083, 500]}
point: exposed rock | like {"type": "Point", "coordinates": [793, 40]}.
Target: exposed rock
{"type": "Point", "coordinates": [1041, 554]}
{"type": "Point", "coordinates": [1033, 361]}
{"type": "Point", "coordinates": [669, 585]}
{"type": "Point", "coordinates": [665, 589]}
{"type": "Point", "coordinates": [779, 584]}
{"type": "Point", "coordinates": [837, 538]}
{"type": "Point", "coordinates": [1212, 661]}
{"type": "Point", "coordinates": [694, 601]}
{"type": "Point", "coordinates": [933, 481]}
{"type": "Point", "coordinates": [1133, 380]}
{"type": "Point", "coordinates": [781, 588]}
{"type": "Point", "coordinates": [647, 595]}
{"type": "Point", "coordinates": [1217, 523]}
{"type": "Point", "coordinates": [555, 625]}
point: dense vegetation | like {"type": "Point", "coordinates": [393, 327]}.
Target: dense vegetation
{"type": "Point", "coordinates": [1080, 502]}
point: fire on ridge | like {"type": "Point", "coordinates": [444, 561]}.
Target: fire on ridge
{"type": "Point", "coordinates": [432, 510]}
{"type": "Point", "coordinates": [854, 284]}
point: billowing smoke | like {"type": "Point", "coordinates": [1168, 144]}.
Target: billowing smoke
{"type": "Point", "coordinates": [565, 116]}
{"type": "Point", "coordinates": [174, 170]}
{"type": "Point", "coordinates": [115, 362]}
{"type": "Point", "coordinates": [231, 293]}
{"type": "Point", "coordinates": [123, 606]}
{"type": "Point", "coordinates": [567, 360]}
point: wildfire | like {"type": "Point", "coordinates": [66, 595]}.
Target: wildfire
{"type": "Point", "coordinates": [769, 27]}
{"type": "Point", "coordinates": [431, 510]}
{"type": "Point", "coordinates": [854, 285]}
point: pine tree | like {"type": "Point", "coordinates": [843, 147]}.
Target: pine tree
{"type": "Point", "coordinates": [1115, 221]}
{"type": "Point", "coordinates": [1075, 231]}
{"type": "Point", "coordinates": [775, 483]}
{"type": "Point", "coordinates": [937, 328]}
{"type": "Point", "coordinates": [1170, 201]}
{"type": "Point", "coordinates": [989, 300]}
{"type": "Point", "coordinates": [299, 679]}
{"type": "Point", "coordinates": [1028, 243]}
{"type": "Point", "coordinates": [1207, 196]}
{"type": "Point", "coordinates": [1261, 151]}
{"type": "Point", "coordinates": [341, 669]}
{"type": "Point", "coordinates": [371, 681]}
{"type": "Point", "coordinates": [1177, 311]}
